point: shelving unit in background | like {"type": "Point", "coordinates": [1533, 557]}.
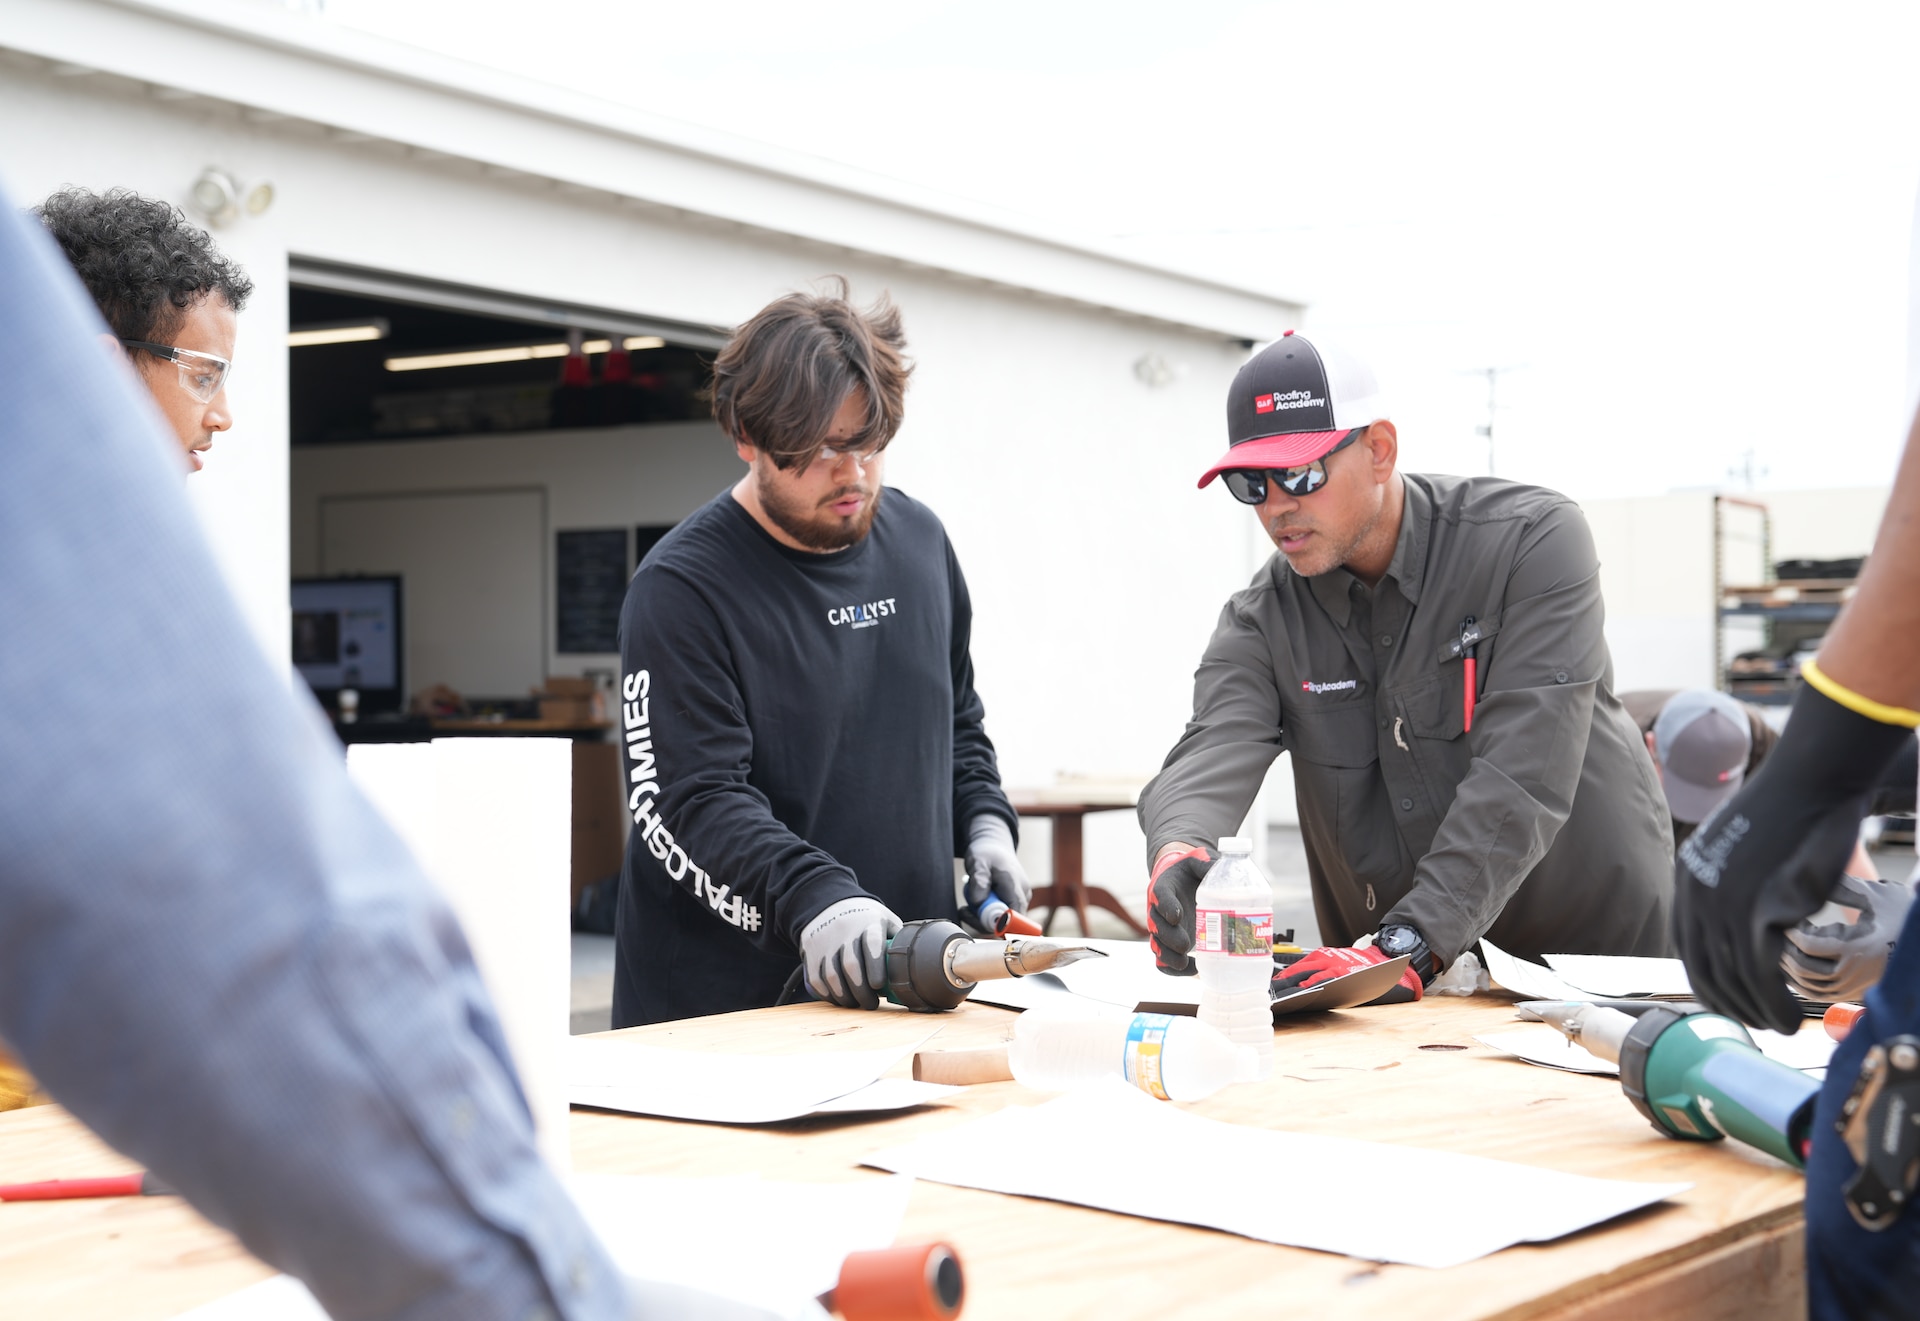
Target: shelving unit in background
{"type": "Point", "coordinates": [1794, 612]}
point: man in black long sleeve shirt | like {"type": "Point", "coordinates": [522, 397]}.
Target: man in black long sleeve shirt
{"type": "Point", "coordinates": [805, 751]}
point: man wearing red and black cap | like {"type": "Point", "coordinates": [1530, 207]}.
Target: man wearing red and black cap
{"type": "Point", "coordinates": [1430, 651]}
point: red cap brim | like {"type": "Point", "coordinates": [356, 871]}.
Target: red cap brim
{"type": "Point", "coordinates": [1290, 449]}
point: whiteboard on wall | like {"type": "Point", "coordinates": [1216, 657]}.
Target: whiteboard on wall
{"type": "Point", "coordinates": [473, 571]}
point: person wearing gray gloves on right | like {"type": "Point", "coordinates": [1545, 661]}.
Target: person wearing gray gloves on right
{"type": "Point", "coordinates": [1830, 961]}
{"type": "Point", "coordinates": [213, 952]}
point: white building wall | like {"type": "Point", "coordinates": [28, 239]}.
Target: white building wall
{"type": "Point", "coordinates": [1066, 482]}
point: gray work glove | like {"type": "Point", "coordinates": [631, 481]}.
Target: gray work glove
{"type": "Point", "coordinates": [844, 951]}
{"type": "Point", "coordinates": [993, 864]}
{"type": "Point", "coordinates": [1840, 960]}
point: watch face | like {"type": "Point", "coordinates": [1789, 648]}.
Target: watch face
{"type": "Point", "coordinates": [1395, 941]}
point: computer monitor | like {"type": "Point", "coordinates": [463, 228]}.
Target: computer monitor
{"type": "Point", "coordinates": [346, 634]}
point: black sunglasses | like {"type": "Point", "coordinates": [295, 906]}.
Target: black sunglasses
{"type": "Point", "coordinates": [1249, 485]}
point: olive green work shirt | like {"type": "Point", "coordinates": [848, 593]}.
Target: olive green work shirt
{"type": "Point", "coordinates": [1544, 828]}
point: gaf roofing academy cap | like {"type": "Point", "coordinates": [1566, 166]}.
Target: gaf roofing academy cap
{"type": "Point", "coordinates": [1293, 401]}
{"type": "Point", "coordinates": [1703, 741]}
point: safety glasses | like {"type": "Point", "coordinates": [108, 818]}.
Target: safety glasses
{"type": "Point", "coordinates": [1249, 485]}
{"type": "Point", "coordinates": [202, 375]}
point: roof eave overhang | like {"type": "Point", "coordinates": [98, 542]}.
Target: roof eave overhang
{"type": "Point", "coordinates": [277, 65]}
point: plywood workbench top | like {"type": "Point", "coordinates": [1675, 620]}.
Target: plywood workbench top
{"type": "Point", "coordinates": [1412, 1074]}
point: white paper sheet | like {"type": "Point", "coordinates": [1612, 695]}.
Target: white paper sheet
{"type": "Point", "coordinates": [490, 820]}
{"type": "Point", "coordinates": [1126, 977]}
{"type": "Point", "coordinates": [1549, 1049]}
{"type": "Point", "coordinates": [1066, 1150]}
{"type": "Point", "coordinates": [614, 1073]}
{"type": "Point", "coordinates": [1620, 974]}
{"type": "Point", "coordinates": [770, 1245]}
{"type": "Point", "coordinates": [281, 1298]}
{"type": "Point", "coordinates": [1808, 1051]}
{"type": "Point", "coordinates": [1525, 979]}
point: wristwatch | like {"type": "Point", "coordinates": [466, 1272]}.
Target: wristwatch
{"type": "Point", "coordinates": [1394, 941]}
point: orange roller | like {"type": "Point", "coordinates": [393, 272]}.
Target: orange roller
{"type": "Point", "coordinates": [1839, 1020]}
{"type": "Point", "coordinates": [915, 1282]}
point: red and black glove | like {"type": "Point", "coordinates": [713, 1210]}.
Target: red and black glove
{"type": "Point", "coordinates": [1324, 964]}
{"type": "Point", "coordinates": [1170, 909]}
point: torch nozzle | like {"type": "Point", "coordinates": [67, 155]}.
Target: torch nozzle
{"type": "Point", "coordinates": [1597, 1030]}
{"type": "Point", "coordinates": [1016, 956]}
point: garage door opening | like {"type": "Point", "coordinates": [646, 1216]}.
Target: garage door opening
{"type": "Point", "coordinates": [508, 461]}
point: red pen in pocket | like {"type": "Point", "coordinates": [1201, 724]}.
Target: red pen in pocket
{"type": "Point", "coordinates": [1469, 635]}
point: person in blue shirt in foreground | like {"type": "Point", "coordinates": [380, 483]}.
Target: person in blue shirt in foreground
{"type": "Point", "coordinates": [212, 950]}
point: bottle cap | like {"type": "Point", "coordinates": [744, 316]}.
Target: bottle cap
{"type": "Point", "coordinates": [1236, 844]}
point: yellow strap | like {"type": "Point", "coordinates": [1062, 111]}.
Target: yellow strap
{"type": "Point", "coordinates": [1866, 706]}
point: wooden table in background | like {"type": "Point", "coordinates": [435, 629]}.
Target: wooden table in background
{"type": "Point", "coordinates": [1729, 1248]}
{"type": "Point", "coordinates": [1069, 853]}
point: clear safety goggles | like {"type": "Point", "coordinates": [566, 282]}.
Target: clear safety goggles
{"type": "Point", "coordinates": [829, 457]}
{"type": "Point", "coordinates": [202, 375]}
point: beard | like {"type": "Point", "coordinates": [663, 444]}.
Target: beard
{"type": "Point", "coordinates": [817, 527]}
{"type": "Point", "coordinates": [1320, 554]}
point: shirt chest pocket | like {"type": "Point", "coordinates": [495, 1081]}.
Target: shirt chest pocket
{"type": "Point", "coordinates": [1434, 707]}
{"type": "Point", "coordinates": [1337, 736]}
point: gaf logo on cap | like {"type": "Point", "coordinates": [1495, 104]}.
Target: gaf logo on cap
{"type": "Point", "coordinates": [1263, 403]}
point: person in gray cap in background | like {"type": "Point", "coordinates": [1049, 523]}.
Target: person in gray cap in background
{"type": "Point", "coordinates": [1705, 745]}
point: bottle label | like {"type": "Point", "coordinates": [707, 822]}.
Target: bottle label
{"type": "Point", "coordinates": [1146, 1036]}
{"type": "Point", "coordinates": [1243, 935]}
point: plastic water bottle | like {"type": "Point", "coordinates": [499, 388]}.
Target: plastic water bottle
{"type": "Point", "coordinates": [1233, 949]}
{"type": "Point", "coordinates": [1170, 1056]}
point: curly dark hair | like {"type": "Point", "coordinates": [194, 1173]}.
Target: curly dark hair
{"type": "Point", "coordinates": [144, 264]}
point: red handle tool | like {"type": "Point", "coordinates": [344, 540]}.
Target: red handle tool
{"type": "Point", "coordinates": [55, 1190]}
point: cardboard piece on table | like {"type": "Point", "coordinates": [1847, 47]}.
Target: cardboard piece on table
{"type": "Point", "coordinates": [1807, 1050]}
{"type": "Point", "coordinates": [1064, 1151]}
{"type": "Point", "coordinates": [613, 1073]}
{"type": "Point", "coordinates": [1344, 992]}
{"type": "Point", "coordinates": [962, 1067]}
{"type": "Point", "coordinates": [661, 1231]}
{"type": "Point", "coordinates": [1620, 974]}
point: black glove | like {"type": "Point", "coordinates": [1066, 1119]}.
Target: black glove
{"type": "Point", "coordinates": [1772, 854]}
{"type": "Point", "coordinates": [1170, 909]}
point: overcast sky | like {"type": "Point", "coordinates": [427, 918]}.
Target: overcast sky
{"type": "Point", "coordinates": [1684, 226]}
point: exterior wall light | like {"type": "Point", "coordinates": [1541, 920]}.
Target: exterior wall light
{"type": "Point", "coordinates": [220, 199]}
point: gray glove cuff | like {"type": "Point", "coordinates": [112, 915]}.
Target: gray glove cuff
{"type": "Point", "coordinates": [990, 828]}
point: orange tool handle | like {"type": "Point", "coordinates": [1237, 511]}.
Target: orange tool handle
{"type": "Point", "coordinates": [1839, 1020]}
{"type": "Point", "coordinates": [1019, 924]}
{"type": "Point", "coordinates": [914, 1282]}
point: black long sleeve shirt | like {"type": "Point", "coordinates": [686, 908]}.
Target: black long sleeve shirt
{"type": "Point", "coordinates": [800, 728]}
